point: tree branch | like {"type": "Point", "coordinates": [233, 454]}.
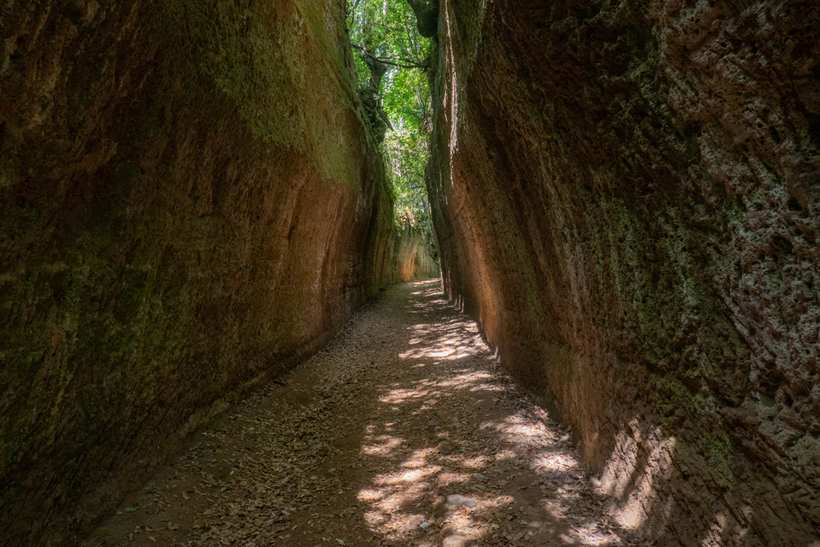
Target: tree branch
{"type": "Point", "coordinates": [353, 8]}
{"type": "Point", "coordinates": [400, 62]}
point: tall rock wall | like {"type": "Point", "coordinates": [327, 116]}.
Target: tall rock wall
{"type": "Point", "coordinates": [189, 204]}
{"type": "Point", "coordinates": [404, 255]}
{"type": "Point", "coordinates": [627, 195]}
{"type": "Point", "coordinates": [413, 255]}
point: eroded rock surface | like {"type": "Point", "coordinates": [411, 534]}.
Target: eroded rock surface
{"type": "Point", "coordinates": [190, 203]}
{"type": "Point", "coordinates": [414, 256]}
{"type": "Point", "coordinates": [626, 195]}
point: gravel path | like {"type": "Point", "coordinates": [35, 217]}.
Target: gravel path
{"type": "Point", "coordinates": [403, 431]}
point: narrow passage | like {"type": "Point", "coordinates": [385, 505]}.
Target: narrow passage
{"type": "Point", "coordinates": [403, 431]}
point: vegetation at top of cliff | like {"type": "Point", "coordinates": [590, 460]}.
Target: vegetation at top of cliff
{"type": "Point", "coordinates": [391, 64]}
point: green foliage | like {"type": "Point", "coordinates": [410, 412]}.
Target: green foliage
{"type": "Point", "coordinates": [386, 30]}
{"type": "Point", "coordinates": [406, 154]}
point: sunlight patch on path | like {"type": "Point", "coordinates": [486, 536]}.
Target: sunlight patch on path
{"type": "Point", "coordinates": [469, 434]}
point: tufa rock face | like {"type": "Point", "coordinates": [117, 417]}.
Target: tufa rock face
{"type": "Point", "coordinates": [626, 195]}
{"type": "Point", "coordinates": [413, 256]}
{"type": "Point", "coordinates": [190, 204]}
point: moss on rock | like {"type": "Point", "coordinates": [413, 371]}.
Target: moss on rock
{"type": "Point", "coordinates": [191, 204]}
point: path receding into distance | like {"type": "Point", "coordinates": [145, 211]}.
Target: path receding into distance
{"type": "Point", "coordinates": [403, 431]}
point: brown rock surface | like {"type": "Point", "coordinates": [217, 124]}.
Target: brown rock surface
{"type": "Point", "coordinates": [626, 195]}
{"type": "Point", "coordinates": [414, 258]}
{"type": "Point", "coordinates": [190, 204]}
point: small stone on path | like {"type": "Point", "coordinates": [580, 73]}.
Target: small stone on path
{"type": "Point", "coordinates": [457, 500]}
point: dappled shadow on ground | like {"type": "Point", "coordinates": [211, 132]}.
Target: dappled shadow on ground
{"type": "Point", "coordinates": [403, 431]}
{"type": "Point", "coordinates": [468, 458]}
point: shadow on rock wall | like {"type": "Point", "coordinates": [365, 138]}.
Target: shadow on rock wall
{"type": "Point", "coordinates": [626, 196]}
{"type": "Point", "coordinates": [186, 191]}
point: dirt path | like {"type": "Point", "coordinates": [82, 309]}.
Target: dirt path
{"type": "Point", "coordinates": [404, 431]}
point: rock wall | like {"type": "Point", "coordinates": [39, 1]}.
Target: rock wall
{"type": "Point", "coordinates": [627, 195]}
{"type": "Point", "coordinates": [404, 255]}
{"type": "Point", "coordinates": [413, 256]}
{"type": "Point", "coordinates": [190, 205]}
